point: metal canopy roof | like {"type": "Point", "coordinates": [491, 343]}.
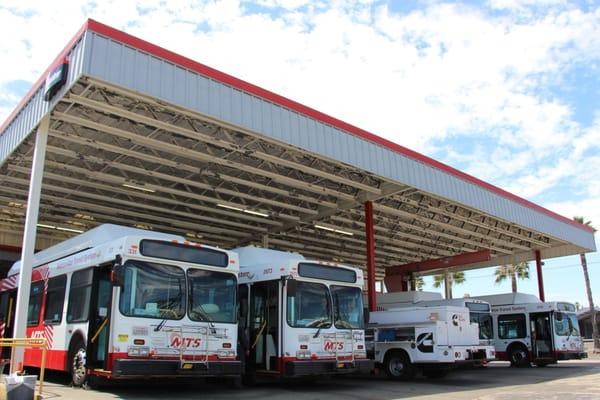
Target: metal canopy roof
{"type": "Point", "coordinates": [143, 137]}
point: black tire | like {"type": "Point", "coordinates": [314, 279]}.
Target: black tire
{"type": "Point", "coordinates": [435, 372]}
{"type": "Point", "coordinates": [519, 357]}
{"type": "Point", "coordinates": [77, 362]}
{"type": "Point", "coordinates": [397, 366]}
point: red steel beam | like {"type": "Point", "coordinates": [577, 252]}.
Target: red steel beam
{"type": "Point", "coordinates": [540, 277]}
{"type": "Point", "coordinates": [439, 263]}
{"type": "Point", "coordinates": [370, 232]}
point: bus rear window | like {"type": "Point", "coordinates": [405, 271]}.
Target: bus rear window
{"type": "Point", "coordinates": [318, 271]}
{"type": "Point", "coordinates": [181, 252]}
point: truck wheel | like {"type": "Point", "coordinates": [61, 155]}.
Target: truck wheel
{"type": "Point", "coordinates": [397, 365]}
{"type": "Point", "coordinates": [77, 360]}
{"type": "Point", "coordinates": [519, 357]}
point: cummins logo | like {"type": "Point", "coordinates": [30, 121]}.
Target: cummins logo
{"type": "Point", "coordinates": [455, 320]}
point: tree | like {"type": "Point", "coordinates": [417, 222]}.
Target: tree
{"type": "Point", "coordinates": [512, 271]}
{"type": "Point", "coordinates": [419, 283]}
{"type": "Point", "coordinates": [586, 277]}
{"type": "Point", "coordinates": [455, 278]}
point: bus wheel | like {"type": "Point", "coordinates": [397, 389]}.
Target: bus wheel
{"type": "Point", "coordinates": [77, 357]}
{"type": "Point", "coordinates": [519, 357]}
{"type": "Point", "coordinates": [397, 365]}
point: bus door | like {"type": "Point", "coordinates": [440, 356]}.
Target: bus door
{"type": "Point", "coordinates": [8, 304]}
{"type": "Point", "coordinates": [264, 325]}
{"type": "Point", "coordinates": [541, 335]}
{"type": "Point", "coordinates": [98, 337]}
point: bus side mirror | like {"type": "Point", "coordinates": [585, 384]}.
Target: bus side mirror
{"type": "Point", "coordinates": [117, 276]}
{"type": "Point", "coordinates": [292, 286]}
{"type": "Point", "coordinates": [366, 315]}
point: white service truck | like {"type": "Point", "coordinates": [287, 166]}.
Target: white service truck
{"type": "Point", "coordinates": [404, 340]}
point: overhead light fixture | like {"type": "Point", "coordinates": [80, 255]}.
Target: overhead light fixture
{"type": "Point", "coordinates": [140, 188]}
{"type": "Point", "coordinates": [193, 235]}
{"type": "Point", "coordinates": [60, 228]}
{"type": "Point", "coordinates": [327, 228]}
{"type": "Point", "coordinates": [46, 226]}
{"type": "Point", "coordinates": [260, 214]}
{"type": "Point", "coordinates": [85, 216]}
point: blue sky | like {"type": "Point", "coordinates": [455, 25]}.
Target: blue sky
{"type": "Point", "coordinates": [506, 90]}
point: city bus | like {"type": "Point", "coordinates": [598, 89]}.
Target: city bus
{"type": "Point", "coordinates": [119, 302]}
{"type": "Point", "coordinates": [304, 318]}
{"type": "Point", "coordinates": [527, 330]}
{"type": "Point", "coordinates": [479, 311]}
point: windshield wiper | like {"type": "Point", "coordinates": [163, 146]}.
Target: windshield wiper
{"type": "Point", "coordinates": [319, 323]}
{"type": "Point", "coordinates": [162, 323]}
{"type": "Point", "coordinates": [199, 310]}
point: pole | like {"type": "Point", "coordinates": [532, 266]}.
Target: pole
{"type": "Point", "coordinates": [540, 277]}
{"type": "Point", "coordinates": [370, 233]}
{"type": "Point", "coordinates": [29, 234]}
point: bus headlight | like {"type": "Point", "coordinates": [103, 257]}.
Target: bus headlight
{"type": "Point", "coordinates": [303, 354]}
{"type": "Point", "coordinates": [138, 351]}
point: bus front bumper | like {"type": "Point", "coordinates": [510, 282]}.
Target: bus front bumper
{"type": "Point", "coordinates": [128, 368]}
{"type": "Point", "coordinates": [328, 367]}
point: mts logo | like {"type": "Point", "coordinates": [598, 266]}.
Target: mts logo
{"type": "Point", "coordinates": [333, 346]}
{"type": "Point", "coordinates": [178, 341]}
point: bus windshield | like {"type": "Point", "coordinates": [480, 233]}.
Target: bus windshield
{"type": "Point", "coordinates": [212, 296]}
{"type": "Point", "coordinates": [309, 307]}
{"type": "Point", "coordinates": [152, 290]}
{"type": "Point", "coordinates": [565, 324]}
{"type": "Point", "coordinates": [347, 307]}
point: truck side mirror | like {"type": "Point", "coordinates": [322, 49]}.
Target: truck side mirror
{"type": "Point", "coordinates": [366, 315]}
{"type": "Point", "coordinates": [117, 275]}
{"type": "Point", "coordinates": [292, 286]}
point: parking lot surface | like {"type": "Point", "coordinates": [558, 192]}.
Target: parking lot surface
{"type": "Point", "coordinates": [568, 380]}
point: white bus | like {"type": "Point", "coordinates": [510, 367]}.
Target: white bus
{"type": "Point", "coordinates": [118, 302]}
{"type": "Point", "coordinates": [304, 318]}
{"type": "Point", "coordinates": [479, 311]}
{"type": "Point", "coordinates": [407, 338]}
{"type": "Point", "coordinates": [527, 330]}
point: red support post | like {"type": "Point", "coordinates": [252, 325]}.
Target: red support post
{"type": "Point", "coordinates": [540, 277]}
{"type": "Point", "coordinates": [370, 233]}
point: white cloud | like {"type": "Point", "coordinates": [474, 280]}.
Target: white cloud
{"type": "Point", "coordinates": [420, 78]}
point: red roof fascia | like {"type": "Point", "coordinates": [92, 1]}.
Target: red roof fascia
{"type": "Point", "coordinates": [439, 263]}
{"type": "Point", "coordinates": [230, 80]}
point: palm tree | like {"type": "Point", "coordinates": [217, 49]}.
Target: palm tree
{"type": "Point", "coordinates": [454, 278]}
{"type": "Point", "coordinates": [512, 271]}
{"type": "Point", "coordinates": [589, 289]}
{"type": "Point", "coordinates": [419, 283]}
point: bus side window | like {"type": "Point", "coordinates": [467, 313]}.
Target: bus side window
{"type": "Point", "coordinates": [512, 326]}
{"type": "Point", "coordinates": [35, 303]}
{"type": "Point", "coordinates": [55, 300]}
{"type": "Point", "coordinates": [80, 294]}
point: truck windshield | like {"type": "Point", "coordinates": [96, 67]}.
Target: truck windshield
{"type": "Point", "coordinates": [565, 324]}
{"type": "Point", "coordinates": [152, 290]}
{"type": "Point", "coordinates": [484, 320]}
{"type": "Point", "coordinates": [309, 307]}
{"type": "Point", "coordinates": [347, 307]}
{"type": "Point", "coordinates": [212, 296]}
